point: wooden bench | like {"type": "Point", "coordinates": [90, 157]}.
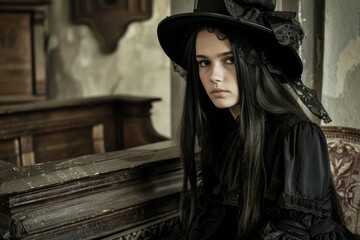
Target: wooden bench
{"type": "Point", "coordinates": [124, 194]}
{"type": "Point", "coordinates": [52, 130]}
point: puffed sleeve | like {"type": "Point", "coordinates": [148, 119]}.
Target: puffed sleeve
{"type": "Point", "coordinates": [307, 168]}
{"type": "Point", "coordinates": [302, 208]}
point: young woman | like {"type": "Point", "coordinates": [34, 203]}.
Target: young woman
{"type": "Point", "coordinates": [264, 170]}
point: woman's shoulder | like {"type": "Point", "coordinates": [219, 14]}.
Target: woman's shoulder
{"type": "Point", "coordinates": [287, 122]}
{"type": "Point", "coordinates": [298, 128]}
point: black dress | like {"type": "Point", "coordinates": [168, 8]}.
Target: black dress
{"type": "Point", "coordinates": [298, 197]}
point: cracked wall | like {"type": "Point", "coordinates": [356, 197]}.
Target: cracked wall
{"type": "Point", "coordinates": [341, 82]}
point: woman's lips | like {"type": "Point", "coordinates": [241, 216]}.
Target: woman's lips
{"type": "Point", "coordinates": [218, 92]}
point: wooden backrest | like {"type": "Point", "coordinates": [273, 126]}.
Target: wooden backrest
{"type": "Point", "coordinates": [52, 130]}
{"type": "Point", "coordinates": [344, 151]}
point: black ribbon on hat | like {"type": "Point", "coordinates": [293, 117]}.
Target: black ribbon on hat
{"type": "Point", "coordinates": [285, 27]}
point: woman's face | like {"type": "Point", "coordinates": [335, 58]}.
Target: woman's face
{"type": "Point", "coordinates": [217, 69]}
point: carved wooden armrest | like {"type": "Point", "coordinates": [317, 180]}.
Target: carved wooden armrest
{"type": "Point", "coordinates": [344, 152]}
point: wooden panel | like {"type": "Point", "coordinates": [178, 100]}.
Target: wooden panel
{"type": "Point", "coordinates": [111, 134]}
{"type": "Point", "coordinates": [98, 138]}
{"type": "Point", "coordinates": [40, 60]}
{"type": "Point", "coordinates": [27, 151]}
{"type": "Point", "coordinates": [36, 120]}
{"type": "Point", "coordinates": [9, 151]}
{"type": "Point", "coordinates": [136, 125]}
{"type": "Point", "coordinates": [23, 33]}
{"type": "Point", "coordinates": [15, 54]}
{"type": "Point", "coordinates": [63, 144]}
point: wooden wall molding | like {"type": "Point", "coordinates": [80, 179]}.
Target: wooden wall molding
{"type": "Point", "coordinates": [109, 18]}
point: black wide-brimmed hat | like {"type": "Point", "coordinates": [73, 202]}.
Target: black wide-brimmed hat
{"type": "Point", "coordinates": [278, 32]}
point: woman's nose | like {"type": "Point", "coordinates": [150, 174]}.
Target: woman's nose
{"type": "Point", "coordinates": [217, 73]}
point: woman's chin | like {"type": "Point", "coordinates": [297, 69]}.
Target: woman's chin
{"type": "Point", "coordinates": [223, 104]}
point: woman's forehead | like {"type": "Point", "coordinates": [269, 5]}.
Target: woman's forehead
{"type": "Point", "coordinates": [209, 43]}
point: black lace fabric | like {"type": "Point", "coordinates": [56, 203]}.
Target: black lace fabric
{"type": "Point", "coordinates": [286, 28]}
{"type": "Point", "coordinates": [309, 98]}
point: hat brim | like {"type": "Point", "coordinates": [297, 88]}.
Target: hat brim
{"type": "Point", "coordinates": [173, 39]}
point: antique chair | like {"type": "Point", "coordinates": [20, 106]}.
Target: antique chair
{"type": "Point", "coordinates": [344, 151]}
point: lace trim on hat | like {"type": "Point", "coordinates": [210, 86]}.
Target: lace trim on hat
{"type": "Point", "coordinates": [286, 28]}
{"type": "Point", "coordinates": [181, 71]}
{"type": "Point", "coordinates": [309, 98]}
{"type": "Point", "coordinates": [307, 95]}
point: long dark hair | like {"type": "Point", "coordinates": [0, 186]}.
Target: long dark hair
{"type": "Point", "coordinates": [204, 125]}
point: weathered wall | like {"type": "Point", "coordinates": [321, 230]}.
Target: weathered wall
{"type": "Point", "coordinates": [341, 82]}
{"type": "Point", "coordinates": [139, 66]}
{"type": "Point", "coordinates": [331, 55]}
{"type": "Point", "coordinates": [77, 67]}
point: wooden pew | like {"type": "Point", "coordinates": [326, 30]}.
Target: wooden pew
{"type": "Point", "coordinates": [52, 130]}
{"type": "Point", "coordinates": [126, 194]}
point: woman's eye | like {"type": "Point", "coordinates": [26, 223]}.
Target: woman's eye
{"type": "Point", "coordinates": [203, 63]}
{"type": "Point", "coordinates": [230, 60]}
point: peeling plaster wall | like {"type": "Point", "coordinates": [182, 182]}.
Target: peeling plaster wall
{"type": "Point", "coordinates": [78, 68]}
{"type": "Point", "coordinates": [311, 16]}
{"type": "Point", "coordinates": [341, 83]}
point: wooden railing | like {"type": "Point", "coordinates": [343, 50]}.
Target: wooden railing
{"type": "Point", "coordinates": [53, 130]}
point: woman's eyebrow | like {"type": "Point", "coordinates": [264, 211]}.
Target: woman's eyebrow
{"type": "Point", "coordinates": [219, 55]}
{"type": "Point", "coordinates": [225, 54]}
